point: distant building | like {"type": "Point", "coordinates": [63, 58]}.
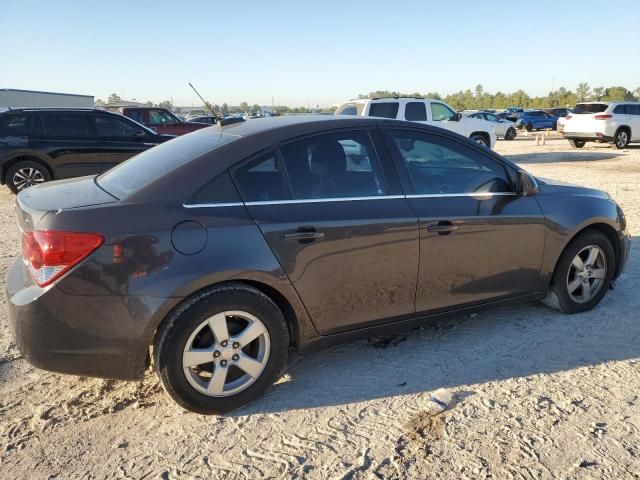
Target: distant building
{"type": "Point", "coordinates": [14, 98]}
{"type": "Point", "coordinates": [116, 106]}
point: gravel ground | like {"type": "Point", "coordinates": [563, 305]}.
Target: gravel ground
{"type": "Point", "coordinates": [536, 394]}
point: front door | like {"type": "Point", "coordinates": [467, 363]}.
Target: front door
{"type": "Point", "coordinates": [479, 240]}
{"type": "Point", "coordinates": [347, 241]}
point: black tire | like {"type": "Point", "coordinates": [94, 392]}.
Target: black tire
{"type": "Point", "coordinates": [577, 143]}
{"type": "Point", "coordinates": [528, 127]}
{"type": "Point", "coordinates": [480, 139]}
{"type": "Point", "coordinates": [510, 134]}
{"type": "Point", "coordinates": [559, 296]}
{"type": "Point", "coordinates": [39, 174]}
{"type": "Point", "coordinates": [621, 139]}
{"type": "Point", "coordinates": [176, 331]}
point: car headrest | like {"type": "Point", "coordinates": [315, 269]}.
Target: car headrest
{"type": "Point", "coordinates": [328, 159]}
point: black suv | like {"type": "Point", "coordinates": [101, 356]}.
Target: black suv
{"type": "Point", "coordinates": [38, 145]}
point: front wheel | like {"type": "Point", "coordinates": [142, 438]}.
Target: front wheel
{"type": "Point", "coordinates": [583, 273]}
{"type": "Point", "coordinates": [222, 349]}
{"type": "Point", "coordinates": [511, 134]}
{"type": "Point", "coordinates": [480, 139]}
{"type": "Point", "coordinates": [528, 127]}
{"type": "Point", "coordinates": [25, 174]}
{"type": "Point", "coordinates": [621, 140]}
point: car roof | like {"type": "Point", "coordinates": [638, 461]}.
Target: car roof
{"type": "Point", "coordinates": [61, 109]}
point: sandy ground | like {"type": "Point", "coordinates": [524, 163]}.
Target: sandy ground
{"type": "Point", "coordinates": [536, 394]}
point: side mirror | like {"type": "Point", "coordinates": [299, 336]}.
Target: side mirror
{"type": "Point", "coordinates": [140, 134]}
{"type": "Point", "coordinates": [458, 117]}
{"type": "Point", "coordinates": [526, 184]}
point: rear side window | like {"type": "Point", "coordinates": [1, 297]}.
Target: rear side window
{"type": "Point", "coordinates": [590, 108]}
{"type": "Point", "coordinates": [261, 180]}
{"type": "Point", "coordinates": [333, 166]}
{"type": "Point", "coordinates": [384, 109]}
{"type": "Point", "coordinates": [150, 165]}
{"type": "Point", "coordinates": [438, 166]}
{"type": "Point", "coordinates": [219, 190]}
{"type": "Point", "coordinates": [136, 115]}
{"type": "Point", "coordinates": [14, 125]}
{"type": "Point", "coordinates": [65, 124]}
{"type": "Point", "coordinates": [415, 112]}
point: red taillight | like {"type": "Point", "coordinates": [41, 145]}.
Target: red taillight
{"type": "Point", "coordinates": [49, 254]}
{"type": "Point", "coordinates": [602, 117]}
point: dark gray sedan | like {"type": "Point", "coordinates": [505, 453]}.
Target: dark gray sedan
{"type": "Point", "coordinates": [224, 249]}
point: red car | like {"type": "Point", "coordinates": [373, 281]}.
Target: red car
{"type": "Point", "coordinates": [161, 120]}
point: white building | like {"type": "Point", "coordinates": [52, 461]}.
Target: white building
{"type": "Point", "coordinates": [14, 98]}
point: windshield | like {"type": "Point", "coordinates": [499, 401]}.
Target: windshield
{"type": "Point", "coordinates": [590, 108]}
{"type": "Point", "coordinates": [150, 165]}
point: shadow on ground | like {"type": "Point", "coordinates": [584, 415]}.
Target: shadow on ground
{"type": "Point", "coordinates": [494, 345]}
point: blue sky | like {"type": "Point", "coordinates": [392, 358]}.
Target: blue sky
{"type": "Point", "coordinates": [308, 53]}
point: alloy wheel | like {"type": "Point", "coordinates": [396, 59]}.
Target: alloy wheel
{"type": "Point", "coordinates": [587, 274]}
{"type": "Point", "coordinates": [226, 353]}
{"type": "Point", "coordinates": [27, 177]}
{"type": "Point", "coordinates": [622, 139]}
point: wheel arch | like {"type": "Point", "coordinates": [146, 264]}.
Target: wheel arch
{"type": "Point", "coordinates": [23, 157]}
{"type": "Point", "coordinates": [623, 127]}
{"type": "Point", "coordinates": [484, 135]}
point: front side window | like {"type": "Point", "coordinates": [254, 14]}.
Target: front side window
{"type": "Point", "coordinates": [491, 117]}
{"type": "Point", "coordinates": [109, 126]}
{"type": "Point", "coordinates": [384, 109]}
{"type": "Point", "coordinates": [65, 124]}
{"type": "Point", "coordinates": [415, 112]}
{"type": "Point", "coordinates": [333, 166]}
{"type": "Point", "coordinates": [160, 117]}
{"type": "Point", "coordinates": [633, 109]}
{"type": "Point", "coordinates": [261, 180]}
{"type": "Point", "coordinates": [440, 166]}
{"type": "Point", "coordinates": [440, 112]}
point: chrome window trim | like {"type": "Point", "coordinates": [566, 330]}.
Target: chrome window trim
{"type": "Point", "coordinates": [346, 199]}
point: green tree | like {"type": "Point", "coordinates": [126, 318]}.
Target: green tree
{"type": "Point", "coordinates": [225, 109]}
{"type": "Point", "coordinates": [114, 98]}
{"type": "Point", "coordinates": [636, 92]}
{"type": "Point", "coordinates": [149, 103]}
{"type": "Point", "coordinates": [98, 102]}
{"type": "Point", "coordinates": [255, 108]}
{"type": "Point", "coordinates": [598, 93]}
{"type": "Point", "coordinates": [613, 94]}
{"type": "Point", "coordinates": [244, 106]}
{"type": "Point", "coordinates": [583, 91]}
{"type": "Point", "coordinates": [166, 104]}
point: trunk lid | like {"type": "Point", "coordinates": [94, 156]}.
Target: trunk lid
{"type": "Point", "coordinates": [35, 202]}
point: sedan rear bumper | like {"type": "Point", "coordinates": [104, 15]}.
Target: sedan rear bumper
{"type": "Point", "coordinates": [98, 336]}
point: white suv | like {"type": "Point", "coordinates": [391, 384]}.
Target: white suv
{"type": "Point", "coordinates": [430, 112]}
{"type": "Point", "coordinates": [603, 122]}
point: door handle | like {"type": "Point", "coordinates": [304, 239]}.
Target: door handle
{"type": "Point", "coordinates": [442, 228]}
{"type": "Point", "coordinates": [304, 235]}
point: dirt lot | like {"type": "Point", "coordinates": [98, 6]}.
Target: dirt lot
{"type": "Point", "coordinates": [535, 394]}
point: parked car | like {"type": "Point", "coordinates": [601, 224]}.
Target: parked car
{"type": "Point", "coordinates": [558, 112]}
{"type": "Point", "coordinates": [604, 122]}
{"type": "Point", "coordinates": [160, 120]}
{"type": "Point", "coordinates": [224, 252]}
{"type": "Point", "coordinates": [536, 120]}
{"type": "Point", "coordinates": [428, 112]}
{"type": "Point", "coordinates": [502, 127]}
{"type": "Point", "coordinates": [38, 145]}
{"type": "Point", "coordinates": [208, 119]}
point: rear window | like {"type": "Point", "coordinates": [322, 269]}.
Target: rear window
{"type": "Point", "coordinates": [590, 108]}
{"type": "Point", "coordinates": [350, 109]}
{"type": "Point", "coordinates": [384, 109]}
{"type": "Point", "coordinates": [150, 165]}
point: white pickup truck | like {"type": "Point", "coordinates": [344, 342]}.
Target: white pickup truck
{"type": "Point", "coordinates": [422, 110]}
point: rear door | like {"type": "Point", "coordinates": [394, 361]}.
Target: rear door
{"type": "Point", "coordinates": [479, 240]}
{"type": "Point", "coordinates": [70, 141]}
{"type": "Point", "coordinates": [336, 220]}
{"type": "Point", "coordinates": [633, 116]}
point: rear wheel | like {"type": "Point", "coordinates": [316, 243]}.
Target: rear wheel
{"type": "Point", "coordinates": [621, 140]}
{"type": "Point", "coordinates": [25, 174]}
{"type": "Point", "coordinates": [583, 273]}
{"type": "Point", "coordinates": [222, 349]}
{"type": "Point", "coordinates": [480, 139]}
{"type": "Point", "coordinates": [510, 134]}
{"type": "Point", "coordinates": [528, 127]}
{"type": "Point", "coordinates": [577, 143]}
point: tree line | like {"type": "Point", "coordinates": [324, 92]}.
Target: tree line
{"type": "Point", "coordinates": [478, 98]}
